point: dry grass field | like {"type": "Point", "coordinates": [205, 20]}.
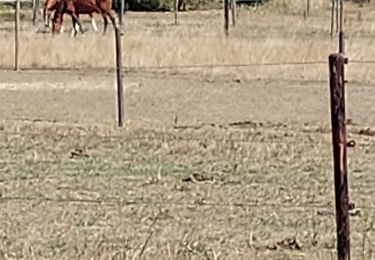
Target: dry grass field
{"type": "Point", "coordinates": [213, 163]}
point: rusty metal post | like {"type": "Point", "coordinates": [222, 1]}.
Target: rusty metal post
{"type": "Point", "coordinates": [16, 38]}
{"type": "Point", "coordinates": [120, 91]}
{"type": "Point", "coordinates": [226, 17]}
{"type": "Point", "coordinates": [338, 121]}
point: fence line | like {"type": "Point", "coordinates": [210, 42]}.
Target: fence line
{"type": "Point", "coordinates": [146, 180]}
{"type": "Point", "coordinates": [170, 67]}
{"type": "Point", "coordinates": [188, 66]}
{"type": "Point", "coordinates": [142, 202]}
{"type": "Point", "coordinates": [116, 202]}
{"type": "Point", "coordinates": [167, 137]}
{"type": "Point", "coordinates": [236, 65]}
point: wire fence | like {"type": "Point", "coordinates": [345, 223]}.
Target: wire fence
{"type": "Point", "coordinates": [245, 136]}
{"type": "Point", "coordinates": [119, 202]}
{"type": "Point", "coordinates": [106, 71]}
{"type": "Point", "coordinates": [189, 66]}
{"type": "Point", "coordinates": [142, 202]}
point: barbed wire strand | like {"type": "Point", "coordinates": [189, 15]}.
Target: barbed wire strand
{"type": "Point", "coordinates": [115, 202]}
{"type": "Point", "coordinates": [168, 138]}
{"type": "Point", "coordinates": [142, 202]}
{"type": "Point", "coordinates": [188, 66]}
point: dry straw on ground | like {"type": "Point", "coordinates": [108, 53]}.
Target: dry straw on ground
{"type": "Point", "coordinates": [74, 188]}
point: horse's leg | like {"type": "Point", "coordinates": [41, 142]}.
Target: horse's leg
{"type": "Point", "coordinates": [48, 22]}
{"type": "Point", "coordinates": [78, 23]}
{"type": "Point", "coordinates": [114, 23]}
{"type": "Point", "coordinates": [113, 19]}
{"type": "Point", "coordinates": [45, 16]}
{"type": "Point", "coordinates": [93, 23]}
{"type": "Point", "coordinates": [57, 19]}
{"type": "Point", "coordinates": [105, 23]}
{"type": "Point", "coordinates": [75, 21]}
{"type": "Point", "coordinates": [76, 27]}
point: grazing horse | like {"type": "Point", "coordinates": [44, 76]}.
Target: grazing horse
{"type": "Point", "coordinates": [51, 5]}
{"type": "Point", "coordinates": [76, 7]}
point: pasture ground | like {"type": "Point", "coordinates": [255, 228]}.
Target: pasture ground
{"type": "Point", "coordinates": [224, 163]}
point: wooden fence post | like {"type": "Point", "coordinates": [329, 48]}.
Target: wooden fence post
{"type": "Point", "coordinates": [121, 13]}
{"type": "Point", "coordinates": [233, 13]}
{"type": "Point", "coordinates": [332, 16]}
{"type": "Point", "coordinates": [307, 7]}
{"type": "Point", "coordinates": [17, 40]}
{"type": "Point", "coordinates": [341, 32]}
{"type": "Point", "coordinates": [338, 121]}
{"type": "Point", "coordinates": [226, 17]}
{"type": "Point", "coordinates": [120, 90]}
{"type": "Point", "coordinates": [35, 10]}
{"type": "Point", "coordinates": [337, 15]}
{"type": "Point", "coordinates": [176, 11]}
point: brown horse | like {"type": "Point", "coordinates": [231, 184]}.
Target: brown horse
{"type": "Point", "coordinates": [51, 5]}
{"type": "Point", "coordinates": [76, 7]}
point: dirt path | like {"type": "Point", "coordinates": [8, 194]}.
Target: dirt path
{"type": "Point", "coordinates": [156, 98]}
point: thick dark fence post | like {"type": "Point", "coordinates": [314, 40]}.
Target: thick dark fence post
{"type": "Point", "coordinates": [226, 17]}
{"type": "Point", "coordinates": [120, 91]}
{"type": "Point", "coordinates": [337, 92]}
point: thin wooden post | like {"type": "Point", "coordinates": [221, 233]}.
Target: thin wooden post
{"type": "Point", "coordinates": [34, 11]}
{"type": "Point", "coordinates": [17, 40]}
{"type": "Point", "coordinates": [341, 15]}
{"type": "Point", "coordinates": [337, 15]}
{"type": "Point", "coordinates": [176, 11]}
{"type": "Point", "coordinates": [226, 17]}
{"type": "Point", "coordinates": [308, 7]}
{"type": "Point", "coordinates": [341, 33]}
{"type": "Point", "coordinates": [120, 91]}
{"type": "Point", "coordinates": [341, 42]}
{"type": "Point", "coordinates": [332, 17]}
{"type": "Point", "coordinates": [233, 11]}
{"type": "Point", "coordinates": [121, 13]}
{"type": "Point", "coordinates": [338, 121]}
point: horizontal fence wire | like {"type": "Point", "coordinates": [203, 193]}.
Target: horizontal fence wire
{"type": "Point", "coordinates": [171, 137]}
{"type": "Point", "coordinates": [187, 66]}
{"type": "Point", "coordinates": [143, 202]}
{"type": "Point", "coordinates": [212, 66]}
{"type": "Point", "coordinates": [118, 202]}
